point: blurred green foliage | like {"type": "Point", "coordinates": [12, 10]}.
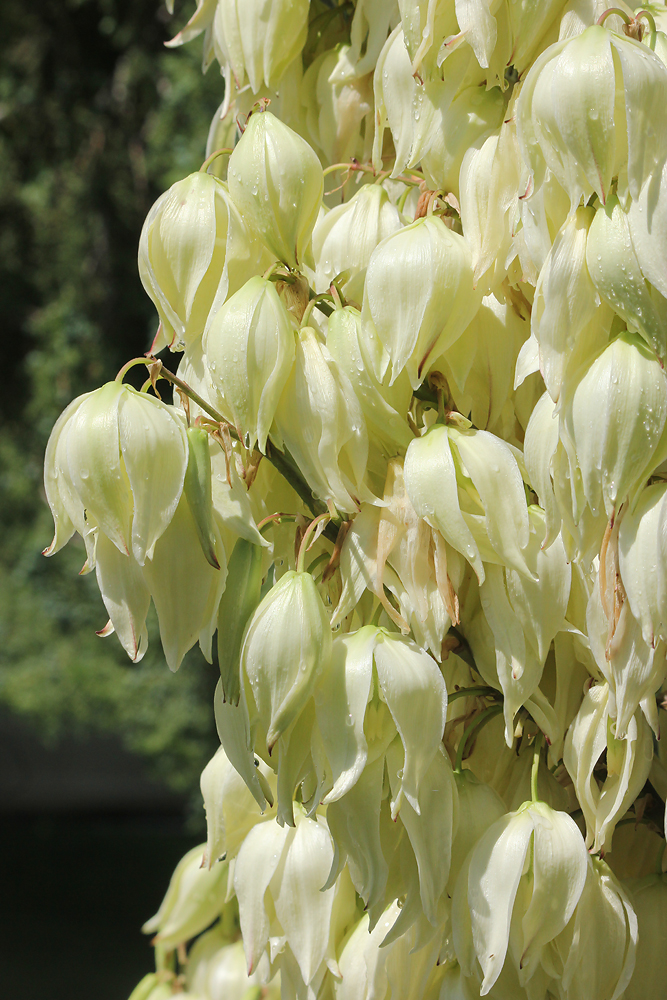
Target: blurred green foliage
{"type": "Point", "coordinates": [97, 118]}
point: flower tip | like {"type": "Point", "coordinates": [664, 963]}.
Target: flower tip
{"type": "Point", "coordinates": [107, 630]}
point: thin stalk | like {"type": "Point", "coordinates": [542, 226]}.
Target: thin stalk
{"type": "Point", "coordinates": [287, 469]}
{"type": "Point", "coordinates": [209, 159]}
{"type": "Point", "coordinates": [477, 723]}
{"type": "Point", "coordinates": [303, 548]}
{"type": "Point", "coordinates": [481, 690]}
{"type": "Point", "coordinates": [537, 747]}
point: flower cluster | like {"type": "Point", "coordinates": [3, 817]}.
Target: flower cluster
{"type": "Point", "coordinates": [415, 476]}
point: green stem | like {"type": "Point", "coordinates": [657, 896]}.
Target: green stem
{"type": "Point", "coordinates": [315, 303]}
{"type": "Point", "coordinates": [130, 364]}
{"type": "Point", "coordinates": [303, 548]}
{"type": "Point", "coordinates": [482, 690]}
{"type": "Point", "coordinates": [287, 469]}
{"type": "Point", "coordinates": [614, 10]}
{"type": "Point", "coordinates": [652, 25]}
{"type": "Point", "coordinates": [537, 747]}
{"type": "Point", "coordinates": [477, 723]}
{"type": "Point", "coordinates": [209, 159]}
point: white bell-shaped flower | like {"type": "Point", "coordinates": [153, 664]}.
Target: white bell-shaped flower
{"type": "Point", "coordinates": [118, 457]}
{"type": "Point", "coordinates": [276, 182]}
{"type": "Point", "coordinates": [250, 352]}
{"type": "Point", "coordinates": [357, 351]}
{"type": "Point", "coordinates": [290, 865]}
{"type": "Point", "coordinates": [419, 295]}
{"type": "Point", "coordinates": [195, 897]}
{"type": "Point", "coordinates": [467, 484]}
{"type": "Point", "coordinates": [345, 237]}
{"type": "Point", "coordinates": [649, 898]}
{"type": "Point", "coordinates": [338, 106]}
{"type": "Point", "coordinates": [217, 970]}
{"type": "Point", "coordinates": [542, 847]}
{"type": "Point", "coordinates": [642, 549]}
{"type": "Point", "coordinates": [617, 274]}
{"type": "Point", "coordinates": [490, 183]}
{"type": "Point", "coordinates": [598, 947]}
{"type": "Point", "coordinates": [287, 645]}
{"type": "Point", "coordinates": [566, 305]}
{"type": "Point", "coordinates": [194, 251]}
{"type": "Point", "coordinates": [320, 421]}
{"type": "Point", "coordinates": [259, 42]}
{"type": "Point", "coordinates": [570, 120]}
{"type": "Point", "coordinates": [628, 765]}
{"type": "Point", "coordinates": [613, 420]}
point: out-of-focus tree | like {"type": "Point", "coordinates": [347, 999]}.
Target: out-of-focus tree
{"type": "Point", "coordinates": [97, 118]}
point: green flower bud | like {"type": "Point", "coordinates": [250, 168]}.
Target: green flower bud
{"type": "Point", "coordinates": [194, 251]}
{"type": "Point", "coordinates": [276, 182]}
{"type": "Point", "coordinates": [259, 41]}
{"type": "Point", "coordinates": [286, 647]}
{"type": "Point", "coordinates": [250, 351]}
{"type": "Point", "coordinates": [419, 295]}
{"type": "Point", "coordinates": [613, 421]}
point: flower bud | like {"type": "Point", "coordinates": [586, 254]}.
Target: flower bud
{"type": "Point", "coordinates": [286, 647]}
{"type": "Point", "coordinates": [194, 899]}
{"type": "Point", "coordinates": [569, 119]}
{"type": "Point", "coordinates": [419, 295]}
{"type": "Point", "coordinates": [194, 250]}
{"type": "Point", "coordinates": [276, 182]}
{"type": "Point", "coordinates": [250, 352]}
{"type": "Point", "coordinates": [319, 419]}
{"type": "Point", "coordinates": [259, 42]}
{"type": "Point", "coordinates": [345, 237]}
{"type": "Point", "coordinates": [614, 419]}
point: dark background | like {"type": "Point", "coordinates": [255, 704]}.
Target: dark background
{"type": "Point", "coordinates": [99, 758]}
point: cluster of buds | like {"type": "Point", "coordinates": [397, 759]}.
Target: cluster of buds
{"type": "Point", "coordinates": [416, 479]}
